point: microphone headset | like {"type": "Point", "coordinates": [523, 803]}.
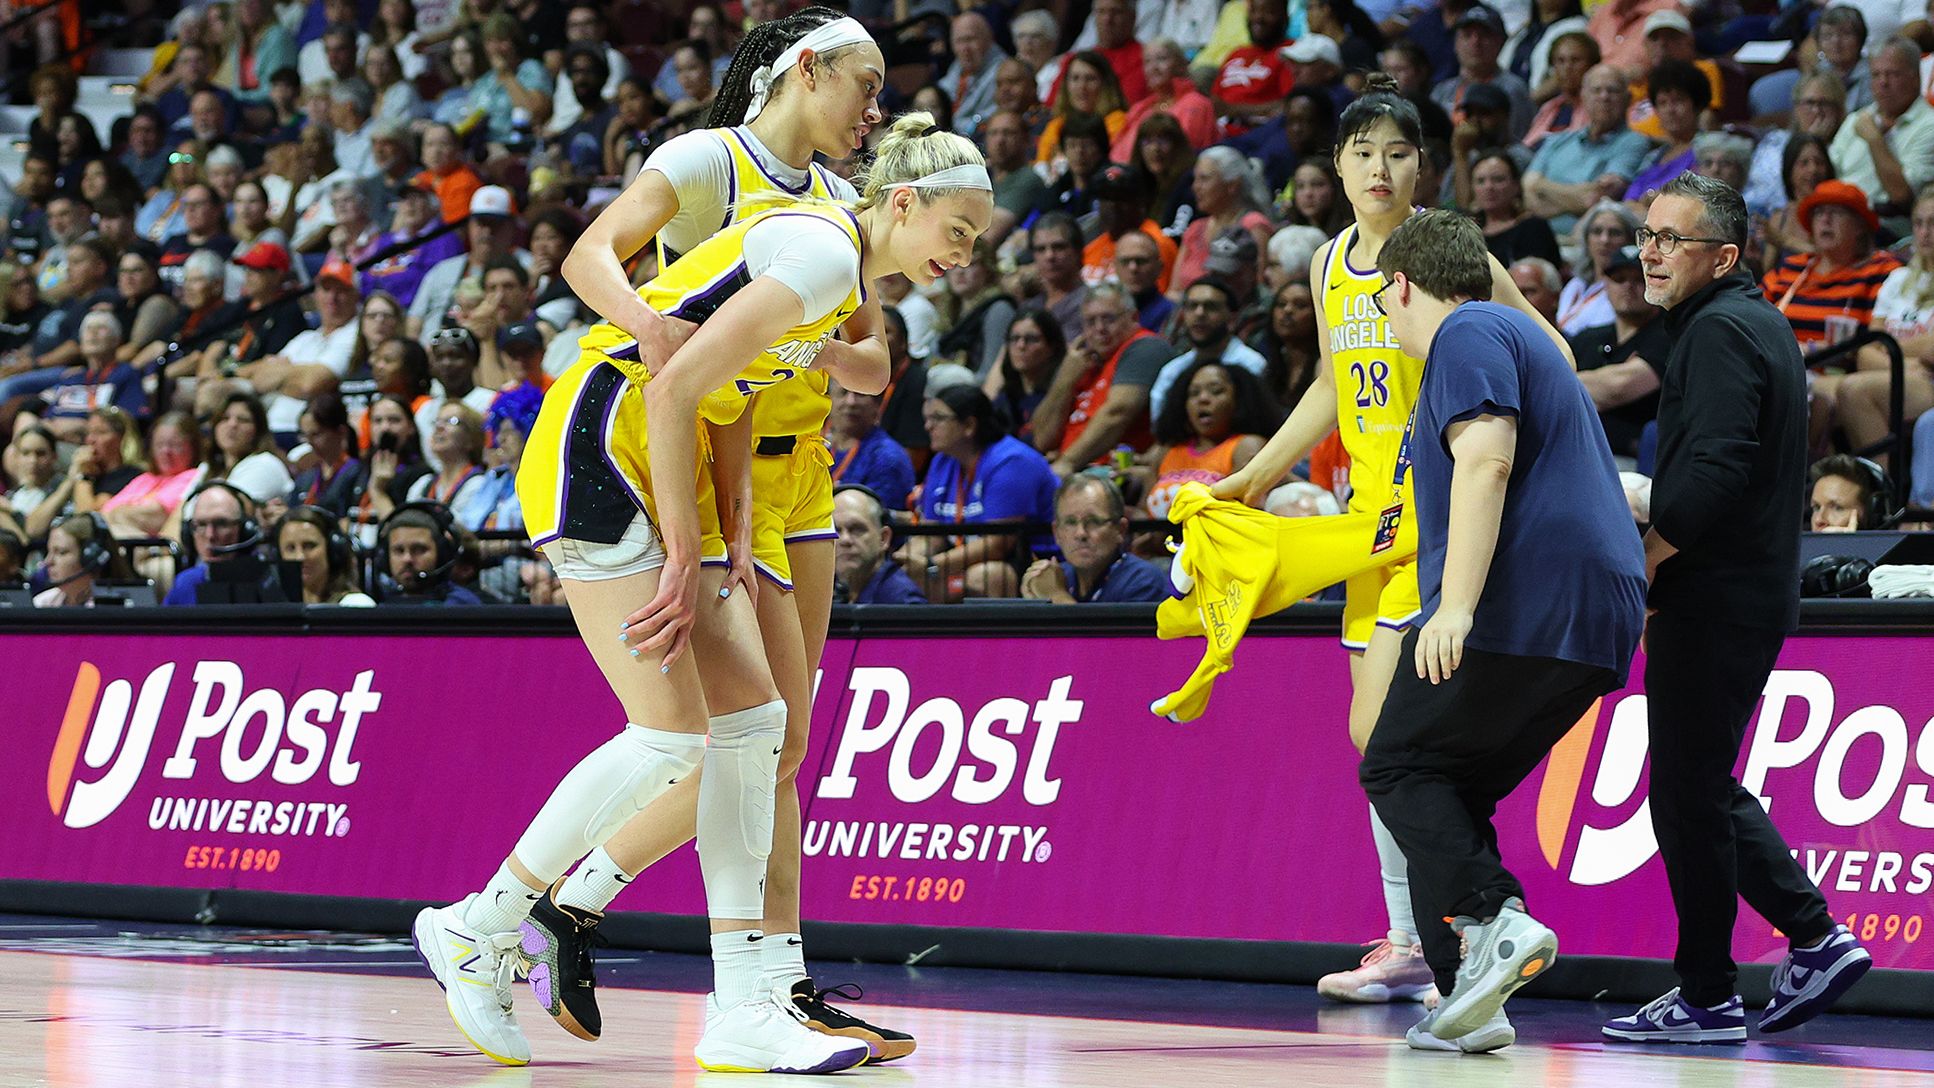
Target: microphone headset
{"type": "Point", "coordinates": [339, 553]}
{"type": "Point", "coordinates": [96, 557]}
{"type": "Point", "coordinates": [449, 547]}
{"type": "Point", "coordinates": [251, 532]}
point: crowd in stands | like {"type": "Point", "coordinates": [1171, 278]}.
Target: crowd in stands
{"type": "Point", "coordinates": [303, 297]}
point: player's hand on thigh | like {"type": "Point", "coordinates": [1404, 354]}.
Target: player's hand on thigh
{"type": "Point", "coordinates": [665, 624]}
{"type": "Point", "coordinates": [1440, 645]}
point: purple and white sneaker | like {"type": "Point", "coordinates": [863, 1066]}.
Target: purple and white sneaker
{"type": "Point", "coordinates": [1671, 1019]}
{"type": "Point", "coordinates": [1809, 980]}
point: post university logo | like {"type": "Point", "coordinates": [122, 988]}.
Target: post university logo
{"type": "Point", "coordinates": [108, 732]}
{"type": "Point", "coordinates": [1871, 776]}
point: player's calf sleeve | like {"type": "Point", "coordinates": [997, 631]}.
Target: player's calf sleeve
{"type": "Point", "coordinates": [608, 787]}
{"type": "Point", "coordinates": [1394, 870]}
{"type": "Point", "coordinates": [735, 804]}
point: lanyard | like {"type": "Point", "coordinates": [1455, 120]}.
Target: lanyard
{"type": "Point", "coordinates": [458, 486]}
{"type": "Point", "coordinates": [963, 489]}
{"type": "Point", "coordinates": [845, 462]}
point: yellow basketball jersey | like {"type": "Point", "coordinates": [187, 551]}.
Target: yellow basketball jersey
{"type": "Point", "coordinates": [1376, 383]}
{"type": "Point", "coordinates": [593, 420]}
{"type": "Point", "coordinates": [802, 405]}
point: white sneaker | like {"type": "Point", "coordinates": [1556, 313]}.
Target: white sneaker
{"type": "Point", "coordinates": [1496, 1034]}
{"type": "Point", "coordinates": [766, 1034]}
{"type": "Point", "coordinates": [1499, 956]}
{"type": "Point", "coordinates": [476, 972]}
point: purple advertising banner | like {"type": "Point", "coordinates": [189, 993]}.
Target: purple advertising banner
{"type": "Point", "coordinates": [1008, 783]}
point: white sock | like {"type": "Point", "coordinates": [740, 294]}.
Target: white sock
{"type": "Point", "coordinates": [785, 959]}
{"type": "Point", "coordinates": [737, 966]}
{"type": "Point", "coordinates": [594, 883]}
{"type": "Point", "coordinates": [1396, 881]}
{"type": "Point", "coordinates": [503, 904]}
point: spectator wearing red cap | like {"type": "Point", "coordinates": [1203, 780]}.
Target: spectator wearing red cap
{"type": "Point", "coordinates": [491, 233]}
{"type": "Point", "coordinates": [1121, 200]}
{"type": "Point", "coordinates": [1829, 294]}
{"type": "Point", "coordinates": [1886, 150]}
{"type": "Point", "coordinates": [272, 320]}
{"type": "Point", "coordinates": [314, 360]}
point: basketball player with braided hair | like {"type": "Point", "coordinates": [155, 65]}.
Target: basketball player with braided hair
{"type": "Point", "coordinates": [617, 491]}
{"type": "Point", "coordinates": [800, 85]}
{"type": "Point", "coordinates": [1366, 388]}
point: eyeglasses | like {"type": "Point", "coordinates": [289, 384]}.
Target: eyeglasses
{"type": "Point", "coordinates": [217, 525]}
{"type": "Point", "coordinates": [181, 158]}
{"type": "Point", "coordinates": [932, 418]}
{"type": "Point", "coordinates": [1102, 318]}
{"type": "Point", "coordinates": [452, 421]}
{"type": "Point", "coordinates": [1025, 338]}
{"type": "Point", "coordinates": [1376, 297]}
{"type": "Point", "coordinates": [1087, 525]}
{"type": "Point", "coordinates": [1668, 241]}
{"type": "Point", "coordinates": [454, 335]}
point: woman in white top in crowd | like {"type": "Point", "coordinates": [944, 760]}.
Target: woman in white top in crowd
{"type": "Point", "coordinates": [1604, 230]}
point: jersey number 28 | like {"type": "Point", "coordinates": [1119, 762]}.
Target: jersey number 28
{"type": "Point", "coordinates": [1372, 383]}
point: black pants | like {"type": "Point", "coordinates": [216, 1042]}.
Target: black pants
{"type": "Point", "coordinates": [1441, 759]}
{"type": "Point", "coordinates": [1702, 680]}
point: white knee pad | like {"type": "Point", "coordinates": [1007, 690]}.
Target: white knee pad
{"type": "Point", "coordinates": [608, 787]}
{"type": "Point", "coordinates": [735, 802]}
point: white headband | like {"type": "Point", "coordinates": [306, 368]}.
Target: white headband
{"type": "Point", "coordinates": [968, 175]}
{"type": "Point", "coordinates": [820, 39]}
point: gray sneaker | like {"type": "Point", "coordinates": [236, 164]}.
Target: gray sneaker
{"type": "Point", "coordinates": [1499, 956]}
{"type": "Point", "coordinates": [1495, 1034]}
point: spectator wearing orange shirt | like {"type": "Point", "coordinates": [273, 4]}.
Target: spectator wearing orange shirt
{"type": "Point", "coordinates": [446, 173]}
{"type": "Point", "coordinates": [1668, 36]}
{"type": "Point", "coordinates": [1829, 294]}
{"type": "Point", "coordinates": [1619, 28]}
{"type": "Point", "coordinates": [1121, 201]}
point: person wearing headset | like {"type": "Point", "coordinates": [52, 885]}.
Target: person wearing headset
{"type": "Point", "coordinates": [218, 520]}
{"type": "Point", "coordinates": [80, 549]}
{"type": "Point", "coordinates": [1847, 494]}
{"type": "Point", "coordinates": [420, 544]}
{"type": "Point", "coordinates": [312, 537]}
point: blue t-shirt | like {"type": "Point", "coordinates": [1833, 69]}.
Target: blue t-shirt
{"type": "Point", "coordinates": [1010, 482]}
{"type": "Point", "coordinates": [1568, 578]}
{"type": "Point", "coordinates": [881, 464]}
{"type": "Point", "coordinates": [75, 397]}
{"type": "Point", "coordinates": [1128, 578]}
{"type": "Point", "coordinates": [890, 585]}
{"type": "Point", "coordinates": [187, 583]}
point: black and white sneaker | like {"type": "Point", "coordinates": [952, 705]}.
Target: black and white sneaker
{"type": "Point", "coordinates": [556, 942]}
{"type": "Point", "coordinates": [882, 1044]}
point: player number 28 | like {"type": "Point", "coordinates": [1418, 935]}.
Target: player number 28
{"type": "Point", "coordinates": [1372, 383]}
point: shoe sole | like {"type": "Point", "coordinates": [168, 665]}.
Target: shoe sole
{"type": "Point", "coordinates": [880, 1049]}
{"type": "Point", "coordinates": [1456, 1019]}
{"type": "Point", "coordinates": [546, 957]}
{"type": "Point", "coordinates": [1819, 995]}
{"type": "Point", "coordinates": [1376, 993]}
{"type": "Point", "coordinates": [838, 1062]}
{"type": "Point", "coordinates": [449, 1001]}
{"type": "Point", "coordinates": [1684, 1036]}
{"type": "Point", "coordinates": [1481, 1041]}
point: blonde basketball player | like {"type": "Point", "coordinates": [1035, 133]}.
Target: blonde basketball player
{"type": "Point", "coordinates": [802, 84]}
{"type": "Point", "coordinates": [1366, 388]}
{"type": "Point", "coordinates": [616, 493]}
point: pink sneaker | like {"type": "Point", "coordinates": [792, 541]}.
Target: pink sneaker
{"type": "Point", "coordinates": [1389, 972]}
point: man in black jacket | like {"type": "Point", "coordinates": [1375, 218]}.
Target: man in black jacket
{"type": "Point", "coordinates": [1723, 560]}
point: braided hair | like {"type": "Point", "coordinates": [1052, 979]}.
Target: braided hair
{"type": "Point", "coordinates": [760, 47]}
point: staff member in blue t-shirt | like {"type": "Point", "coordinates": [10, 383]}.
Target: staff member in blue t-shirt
{"type": "Point", "coordinates": [863, 453]}
{"type": "Point", "coordinates": [979, 473]}
{"type": "Point", "coordinates": [1533, 586]}
{"type": "Point", "coordinates": [1090, 528]}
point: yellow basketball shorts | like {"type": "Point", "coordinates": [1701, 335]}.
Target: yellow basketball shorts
{"type": "Point", "coordinates": [1383, 597]}
{"type": "Point", "coordinates": [792, 500]}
